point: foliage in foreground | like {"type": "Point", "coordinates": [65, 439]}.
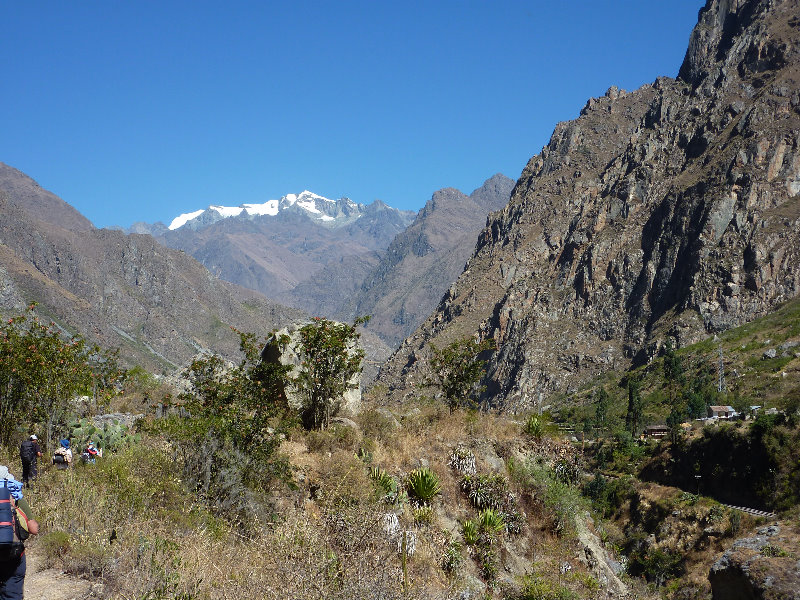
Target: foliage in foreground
{"type": "Point", "coordinates": [227, 434]}
{"type": "Point", "coordinates": [42, 371]}
{"type": "Point", "coordinates": [144, 537]}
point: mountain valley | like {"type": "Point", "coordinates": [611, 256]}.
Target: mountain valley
{"type": "Point", "coordinates": [584, 384]}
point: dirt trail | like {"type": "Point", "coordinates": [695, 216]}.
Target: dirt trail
{"type": "Point", "coordinates": [52, 584]}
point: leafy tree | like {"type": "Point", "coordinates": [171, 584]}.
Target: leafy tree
{"type": "Point", "coordinates": [601, 403]}
{"type": "Point", "coordinates": [673, 365]}
{"type": "Point", "coordinates": [457, 369]}
{"type": "Point", "coordinates": [674, 420]}
{"type": "Point", "coordinates": [41, 372]}
{"type": "Point", "coordinates": [228, 437]}
{"type": "Point", "coordinates": [695, 404]}
{"type": "Point", "coordinates": [331, 357]}
{"type": "Point", "coordinates": [633, 418]}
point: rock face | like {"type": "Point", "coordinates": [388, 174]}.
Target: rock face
{"type": "Point", "coordinates": [158, 306]}
{"type": "Point", "coordinates": [423, 261]}
{"type": "Point", "coordinates": [761, 567]}
{"type": "Point", "coordinates": [673, 210]}
{"type": "Point", "coordinates": [276, 352]}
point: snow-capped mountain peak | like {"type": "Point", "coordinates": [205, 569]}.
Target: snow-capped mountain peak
{"type": "Point", "coordinates": [318, 207]}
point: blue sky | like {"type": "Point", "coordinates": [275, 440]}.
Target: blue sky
{"type": "Point", "coordinates": [140, 111]}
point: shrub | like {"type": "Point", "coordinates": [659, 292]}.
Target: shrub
{"type": "Point", "coordinates": [331, 439]}
{"type": "Point", "coordinates": [538, 588]}
{"type": "Point", "coordinates": [54, 545]}
{"type": "Point", "coordinates": [423, 515]}
{"type": "Point", "coordinates": [462, 460]}
{"type": "Point", "coordinates": [535, 427]}
{"type": "Point", "coordinates": [452, 559]}
{"type": "Point", "coordinates": [656, 565]}
{"type": "Point", "coordinates": [491, 521]}
{"type": "Point", "coordinates": [486, 491]}
{"type": "Point", "coordinates": [374, 424]}
{"type": "Point", "coordinates": [458, 369]}
{"type": "Point", "coordinates": [345, 481]}
{"type": "Point", "coordinates": [423, 485]}
{"type": "Point", "coordinates": [469, 531]}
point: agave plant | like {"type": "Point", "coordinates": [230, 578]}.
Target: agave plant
{"type": "Point", "coordinates": [491, 521]}
{"type": "Point", "coordinates": [423, 484]}
{"type": "Point", "coordinates": [486, 491]}
{"type": "Point", "coordinates": [462, 460]}
{"type": "Point", "coordinates": [385, 483]}
{"type": "Point", "coordinates": [469, 531]}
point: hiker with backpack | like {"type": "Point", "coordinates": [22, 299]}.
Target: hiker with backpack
{"type": "Point", "coordinates": [91, 453]}
{"type": "Point", "coordinates": [16, 525]}
{"type": "Point", "coordinates": [62, 457]}
{"type": "Point", "coordinates": [29, 453]}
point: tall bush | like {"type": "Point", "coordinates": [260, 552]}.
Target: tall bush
{"type": "Point", "coordinates": [41, 371]}
{"type": "Point", "coordinates": [331, 357]}
{"type": "Point", "coordinates": [228, 435]}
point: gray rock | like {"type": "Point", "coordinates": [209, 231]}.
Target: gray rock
{"type": "Point", "coordinates": [287, 355]}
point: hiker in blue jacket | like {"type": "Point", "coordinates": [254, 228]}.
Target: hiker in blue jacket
{"type": "Point", "coordinates": [12, 571]}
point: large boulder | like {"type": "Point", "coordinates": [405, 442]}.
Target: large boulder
{"type": "Point", "coordinates": [287, 354]}
{"type": "Point", "coordinates": [760, 567]}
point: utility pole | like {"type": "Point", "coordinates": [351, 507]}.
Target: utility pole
{"type": "Point", "coordinates": [721, 370]}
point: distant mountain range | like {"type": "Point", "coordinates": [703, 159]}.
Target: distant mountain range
{"type": "Point", "coordinates": [340, 259]}
{"type": "Point", "coordinates": [157, 305]}
{"type": "Point", "coordinates": [337, 259]}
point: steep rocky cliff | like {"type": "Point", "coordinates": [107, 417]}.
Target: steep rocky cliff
{"type": "Point", "coordinates": [673, 210]}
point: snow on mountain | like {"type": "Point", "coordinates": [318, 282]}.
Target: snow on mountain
{"type": "Point", "coordinates": [318, 207]}
{"type": "Point", "coordinates": [181, 220]}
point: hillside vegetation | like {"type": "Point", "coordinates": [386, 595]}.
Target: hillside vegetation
{"type": "Point", "coordinates": [222, 491]}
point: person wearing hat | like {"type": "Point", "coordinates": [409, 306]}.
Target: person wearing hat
{"type": "Point", "coordinates": [12, 571]}
{"type": "Point", "coordinates": [62, 457]}
{"type": "Point", "coordinates": [29, 453]}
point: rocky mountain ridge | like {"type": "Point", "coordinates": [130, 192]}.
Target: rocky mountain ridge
{"type": "Point", "coordinates": [326, 212]}
{"type": "Point", "coordinates": [670, 211]}
{"type": "Point", "coordinates": [158, 305]}
{"type": "Point", "coordinates": [422, 261]}
{"type": "Point", "coordinates": [339, 259]}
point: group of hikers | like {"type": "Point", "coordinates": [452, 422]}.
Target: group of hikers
{"type": "Point", "coordinates": [16, 518]}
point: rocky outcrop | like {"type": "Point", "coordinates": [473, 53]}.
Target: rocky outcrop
{"type": "Point", "coordinates": [282, 349]}
{"type": "Point", "coordinates": [670, 211]}
{"type": "Point", "coordinates": [760, 567]}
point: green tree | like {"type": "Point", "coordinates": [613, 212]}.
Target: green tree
{"type": "Point", "coordinates": [457, 369]}
{"type": "Point", "coordinates": [633, 418]}
{"type": "Point", "coordinates": [673, 365]}
{"type": "Point", "coordinates": [228, 435]}
{"type": "Point", "coordinates": [695, 404]}
{"type": "Point", "coordinates": [601, 403]}
{"type": "Point", "coordinates": [330, 358]}
{"type": "Point", "coordinates": [42, 371]}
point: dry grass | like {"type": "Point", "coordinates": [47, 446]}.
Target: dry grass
{"type": "Point", "coordinates": [129, 522]}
